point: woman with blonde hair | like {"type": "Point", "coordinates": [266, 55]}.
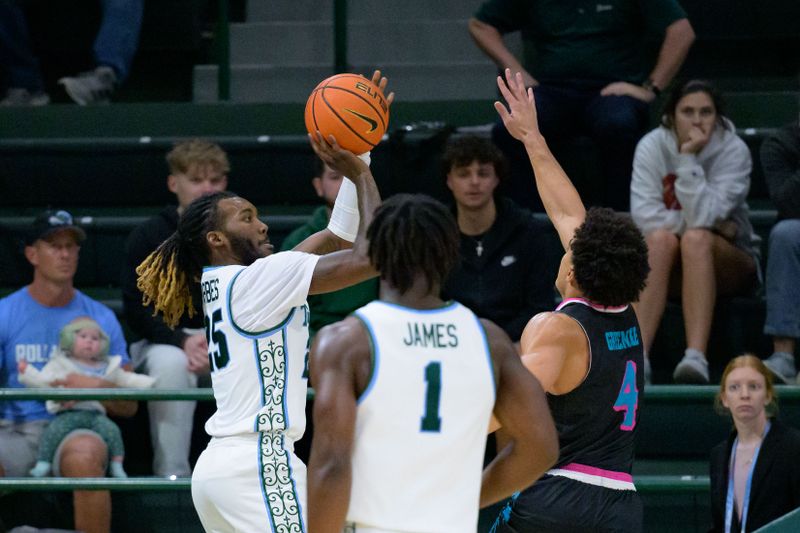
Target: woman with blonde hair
{"type": "Point", "coordinates": [755, 472]}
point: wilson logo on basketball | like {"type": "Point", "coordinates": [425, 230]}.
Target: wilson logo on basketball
{"type": "Point", "coordinates": [373, 124]}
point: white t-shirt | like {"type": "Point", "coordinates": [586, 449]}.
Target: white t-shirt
{"type": "Point", "coordinates": [257, 329]}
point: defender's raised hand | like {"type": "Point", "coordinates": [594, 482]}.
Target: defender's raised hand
{"type": "Point", "coordinates": [520, 117]}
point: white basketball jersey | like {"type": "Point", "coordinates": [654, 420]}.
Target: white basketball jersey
{"type": "Point", "coordinates": [257, 329]}
{"type": "Point", "coordinates": [421, 423]}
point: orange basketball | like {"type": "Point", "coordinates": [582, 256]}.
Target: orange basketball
{"type": "Point", "coordinates": [351, 108]}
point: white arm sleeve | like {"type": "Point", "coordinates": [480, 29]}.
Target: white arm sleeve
{"type": "Point", "coordinates": [344, 217]}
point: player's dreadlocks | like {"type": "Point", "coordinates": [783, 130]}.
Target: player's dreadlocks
{"type": "Point", "coordinates": [163, 275]}
{"type": "Point", "coordinates": [412, 234]}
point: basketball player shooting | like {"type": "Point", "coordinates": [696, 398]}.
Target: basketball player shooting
{"type": "Point", "coordinates": [587, 354]}
{"type": "Point", "coordinates": [256, 316]}
{"type": "Point", "coordinates": [405, 388]}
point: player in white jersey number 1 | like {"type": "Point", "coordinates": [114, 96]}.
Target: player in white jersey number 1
{"type": "Point", "coordinates": [405, 389]}
{"type": "Point", "coordinates": [248, 478]}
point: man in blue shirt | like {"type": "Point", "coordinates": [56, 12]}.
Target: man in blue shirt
{"type": "Point", "coordinates": [30, 320]}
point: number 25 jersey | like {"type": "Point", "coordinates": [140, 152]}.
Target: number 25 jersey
{"type": "Point", "coordinates": [257, 329]}
{"type": "Point", "coordinates": [421, 423]}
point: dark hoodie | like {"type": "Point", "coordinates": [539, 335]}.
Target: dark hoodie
{"type": "Point", "coordinates": [143, 240]}
{"type": "Point", "coordinates": [513, 277]}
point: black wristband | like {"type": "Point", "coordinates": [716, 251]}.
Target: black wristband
{"type": "Point", "coordinates": [650, 86]}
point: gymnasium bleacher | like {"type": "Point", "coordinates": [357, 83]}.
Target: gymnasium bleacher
{"type": "Point", "coordinates": [106, 165]}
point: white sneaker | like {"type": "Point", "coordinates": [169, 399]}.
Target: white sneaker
{"type": "Point", "coordinates": [92, 87]}
{"type": "Point", "coordinates": [782, 367]}
{"type": "Point", "coordinates": [692, 369]}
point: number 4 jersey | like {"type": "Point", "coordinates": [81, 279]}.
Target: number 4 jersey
{"type": "Point", "coordinates": [421, 423]}
{"type": "Point", "coordinates": [256, 321]}
{"type": "Point", "coordinates": [597, 421]}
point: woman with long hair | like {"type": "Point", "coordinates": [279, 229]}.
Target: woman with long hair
{"type": "Point", "coordinates": [691, 176]}
{"type": "Point", "coordinates": [755, 472]}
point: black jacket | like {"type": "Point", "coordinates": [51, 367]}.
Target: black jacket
{"type": "Point", "coordinates": [514, 276]}
{"type": "Point", "coordinates": [143, 240]}
{"type": "Point", "coordinates": [780, 160]}
{"type": "Point", "coordinates": [775, 489]}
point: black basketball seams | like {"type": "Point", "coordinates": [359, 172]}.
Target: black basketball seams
{"type": "Point", "coordinates": [342, 119]}
{"type": "Point", "coordinates": [346, 75]}
{"type": "Point", "coordinates": [379, 112]}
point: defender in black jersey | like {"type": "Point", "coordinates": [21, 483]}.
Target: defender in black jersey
{"type": "Point", "coordinates": [587, 354]}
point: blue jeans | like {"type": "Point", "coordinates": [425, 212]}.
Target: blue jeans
{"type": "Point", "coordinates": [114, 46]}
{"type": "Point", "coordinates": [118, 37]}
{"type": "Point", "coordinates": [571, 109]}
{"type": "Point", "coordinates": [16, 58]}
{"type": "Point", "coordinates": [783, 280]}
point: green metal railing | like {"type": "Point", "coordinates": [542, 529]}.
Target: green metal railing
{"type": "Point", "coordinates": [50, 484]}
{"type": "Point", "coordinates": [112, 394]}
{"type": "Point", "coordinates": [654, 394]}
{"type": "Point", "coordinates": [644, 484]}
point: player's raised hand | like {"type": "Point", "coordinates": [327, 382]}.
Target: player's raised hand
{"type": "Point", "coordinates": [520, 117]}
{"type": "Point", "coordinates": [336, 157]}
{"type": "Point", "coordinates": [381, 82]}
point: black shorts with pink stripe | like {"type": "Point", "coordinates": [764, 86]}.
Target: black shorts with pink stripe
{"type": "Point", "coordinates": [556, 504]}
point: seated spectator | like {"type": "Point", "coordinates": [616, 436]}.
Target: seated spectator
{"type": "Point", "coordinates": [780, 159]}
{"type": "Point", "coordinates": [114, 47]}
{"type": "Point", "coordinates": [82, 349]}
{"type": "Point", "coordinates": [504, 273]}
{"type": "Point", "coordinates": [588, 68]}
{"type": "Point", "coordinates": [332, 306]}
{"type": "Point", "coordinates": [30, 321]}
{"type": "Point", "coordinates": [755, 472]}
{"type": "Point", "coordinates": [175, 357]}
{"type": "Point", "coordinates": [691, 176]}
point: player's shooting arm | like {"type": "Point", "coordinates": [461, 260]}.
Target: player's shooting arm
{"type": "Point", "coordinates": [323, 242]}
{"type": "Point", "coordinates": [561, 201]}
{"type": "Point", "coordinates": [358, 195]}
{"type": "Point", "coordinates": [345, 268]}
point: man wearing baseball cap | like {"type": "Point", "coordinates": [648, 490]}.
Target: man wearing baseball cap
{"type": "Point", "coordinates": [30, 320]}
{"type": "Point", "coordinates": [52, 221]}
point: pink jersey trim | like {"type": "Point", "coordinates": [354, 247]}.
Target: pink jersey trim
{"type": "Point", "coordinates": [596, 307]}
{"type": "Point", "coordinates": [591, 470]}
